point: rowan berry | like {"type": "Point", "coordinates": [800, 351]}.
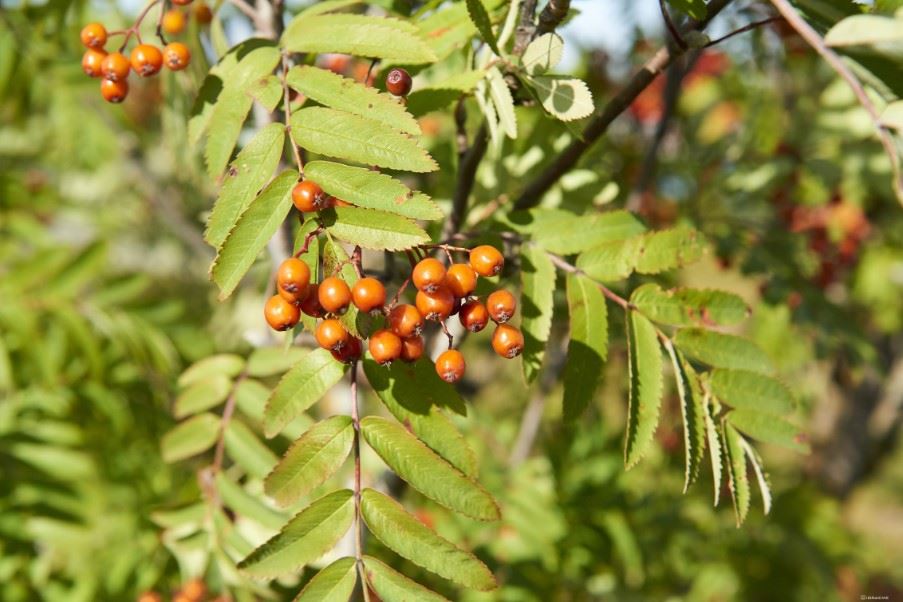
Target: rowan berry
{"type": "Point", "coordinates": [334, 295]}
{"type": "Point", "coordinates": [368, 294]}
{"type": "Point", "coordinates": [94, 35]}
{"type": "Point", "coordinates": [331, 334]}
{"type": "Point", "coordinates": [150, 597]}
{"type": "Point", "coordinates": [311, 303]}
{"type": "Point", "coordinates": [115, 67]}
{"type": "Point", "coordinates": [405, 320]}
{"type": "Point", "coordinates": [349, 352]}
{"type": "Point", "coordinates": [428, 274]}
{"type": "Point", "coordinates": [114, 91]}
{"type": "Point", "coordinates": [181, 2]}
{"type": "Point", "coordinates": [292, 280]}
{"type": "Point", "coordinates": [176, 56]}
{"type": "Point", "coordinates": [474, 316]}
{"type": "Point", "coordinates": [173, 21]}
{"type": "Point", "coordinates": [398, 82]}
{"type": "Point", "coordinates": [385, 346]}
{"type": "Point", "coordinates": [309, 197]}
{"type": "Point", "coordinates": [202, 13]}
{"type": "Point", "coordinates": [486, 260]}
{"type": "Point", "coordinates": [146, 60]}
{"type": "Point", "coordinates": [412, 348]}
{"type": "Point", "coordinates": [281, 314]}
{"type": "Point", "coordinates": [450, 365]}
{"type": "Point", "coordinates": [91, 62]}
{"type": "Point", "coordinates": [461, 279]}
{"type": "Point", "coordinates": [437, 305]}
{"type": "Point", "coordinates": [507, 341]}
{"type": "Point", "coordinates": [501, 305]}
{"type": "Point", "coordinates": [194, 590]}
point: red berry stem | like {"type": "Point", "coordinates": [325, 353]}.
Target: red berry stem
{"type": "Point", "coordinates": [398, 293]}
{"type": "Point", "coordinates": [307, 240]}
{"type": "Point", "coordinates": [287, 110]}
{"type": "Point", "coordinates": [451, 339]}
{"type": "Point", "coordinates": [356, 261]}
{"type": "Point", "coordinates": [133, 30]}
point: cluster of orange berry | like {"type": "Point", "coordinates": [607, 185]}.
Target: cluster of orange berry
{"type": "Point", "coordinates": [441, 293]}
{"type": "Point", "coordinates": [145, 59]}
{"type": "Point", "coordinates": [191, 591]}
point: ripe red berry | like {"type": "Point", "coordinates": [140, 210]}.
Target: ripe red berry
{"type": "Point", "coordinates": [176, 56]}
{"type": "Point", "coordinates": [94, 35]}
{"type": "Point", "coordinates": [173, 21]}
{"type": "Point", "coordinates": [181, 2]}
{"type": "Point", "coordinates": [331, 334]}
{"type": "Point", "coordinates": [350, 351]}
{"type": "Point", "coordinates": [398, 82]}
{"type": "Point", "coordinates": [202, 13]}
{"type": "Point", "coordinates": [311, 303]}
{"type": "Point", "coordinates": [115, 67]}
{"type": "Point", "coordinates": [501, 305]}
{"type": "Point", "coordinates": [368, 294]}
{"type": "Point", "coordinates": [91, 62]}
{"type": "Point", "coordinates": [385, 346]}
{"type": "Point", "coordinates": [405, 320]}
{"type": "Point", "coordinates": [146, 60]}
{"type": "Point", "coordinates": [450, 365]}
{"type": "Point", "coordinates": [474, 316]}
{"type": "Point", "coordinates": [461, 279]}
{"type": "Point", "coordinates": [437, 305]}
{"type": "Point", "coordinates": [486, 260]}
{"type": "Point", "coordinates": [280, 314]}
{"type": "Point", "coordinates": [411, 348]}
{"type": "Point", "coordinates": [114, 91]}
{"type": "Point", "coordinates": [309, 197]}
{"type": "Point", "coordinates": [428, 274]}
{"type": "Point", "coordinates": [334, 295]}
{"type": "Point", "coordinates": [292, 280]}
{"type": "Point", "coordinates": [507, 341]}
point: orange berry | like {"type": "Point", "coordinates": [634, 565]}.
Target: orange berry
{"type": "Point", "coordinates": [385, 346]}
{"type": "Point", "coordinates": [507, 341]}
{"type": "Point", "coordinates": [115, 67]}
{"type": "Point", "coordinates": [331, 334]}
{"type": "Point", "coordinates": [91, 62]}
{"type": "Point", "coordinates": [461, 279]}
{"type": "Point", "coordinates": [202, 13]}
{"type": "Point", "coordinates": [311, 303]}
{"type": "Point", "coordinates": [501, 305]}
{"type": "Point", "coordinates": [281, 314]}
{"type": "Point", "coordinates": [411, 348]}
{"type": "Point", "coordinates": [405, 320]}
{"type": "Point", "coordinates": [176, 56]}
{"type": "Point", "coordinates": [428, 274]}
{"type": "Point", "coordinates": [173, 21]}
{"type": "Point", "coordinates": [309, 197]}
{"type": "Point", "coordinates": [114, 91]}
{"type": "Point", "coordinates": [181, 2]}
{"type": "Point", "coordinates": [474, 316]}
{"type": "Point", "coordinates": [146, 60]}
{"type": "Point", "coordinates": [398, 82]}
{"type": "Point", "coordinates": [437, 305]}
{"type": "Point", "coordinates": [292, 279]}
{"type": "Point", "coordinates": [368, 294]}
{"type": "Point", "coordinates": [450, 365]}
{"type": "Point", "coordinates": [94, 35]}
{"type": "Point", "coordinates": [194, 590]}
{"type": "Point", "coordinates": [334, 295]}
{"type": "Point", "coordinates": [150, 597]}
{"type": "Point", "coordinates": [486, 260]}
{"type": "Point", "coordinates": [349, 352]}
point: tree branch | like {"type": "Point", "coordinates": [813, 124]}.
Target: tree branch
{"type": "Point", "coordinates": [525, 28]}
{"type": "Point", "coordinates": [672, 29]}
{"type": "Point", "coordinates": [744, 29]}
{"type": "Point", "coordinates": [358, 523]}
{"type": "Point", "coordinates": [552, 15]}
{"type": "Point", "coordinates": [567, 160]}
{"type": "Point", "coordinates": [468, 163]}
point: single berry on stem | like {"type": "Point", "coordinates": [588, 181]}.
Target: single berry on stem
{"type": "Point", "coordinates": [176, 56]}
{"type": "Point", "coordinates": [385, 346]}
{"type": "Point", "coordinates": [450, 365]}
{"type": "Point", "coordinates": [461, 279]}
{"type": "Point", "coordinates": [331, 335]}
{"type": "Point", "coordinates": [437, 305]}
{"type": "Point", "coordinates": [115, 67]}
{"type": "Point", "coordinates": [146, 60]}
{"type": "Point", "coordinates": [405, 320]}
{"type": "Point", "coordinates": [501, 305]}
{"type": "Point", "coordinates": [334, 295]}
{"type": "Point", "coordinates": [202, 13]}
{"type": "Point", "coordinates": [91, 62]}
{"type": "Point", "coordinates": [368, 294]}
{"type": "Point", "coordinates": [349, 352]}
{"type": "Point", "coordinates": [398, 82]}
{"type": "Point", "coordinates": [507, 341]}
{"type": "Point", "coordinates": [281, 314]}
{"type": "Point", "coordinates": [411, 348]}
{"type": "Point", "coordinates": [173, 21]}
{"type": "Point", "coordinates": [474, 316]}
{"type": "Point", "coordinates": [94, 35]}
{"type": "Point", "coordinates": [486, 260]}
{"type": "Point", "coordinates": [114, 91]}
{"type": "Point", "coordinates": [309, 197]}
{"type": "Point", "coordinates": [311, 303]}
{"type": "Point", "coordinates": [181, 2]}
{"type": "Point", "coordinates": [428, 275]}
{"type": "Point", "coordinates": [292, 279]}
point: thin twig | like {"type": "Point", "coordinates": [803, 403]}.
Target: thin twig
{"type": "Point", "coordinates": [286, 100]}
{"type": "Point", "coordinates": [468, 163]}
{"type": "Point", "coordinates": [552, 15]}
{"type": "Point", "coordinates": [358, 523]}
{"type": "Point", "coordinates": [228, 410]}
{"type": "Point", "coordinates": [133, 30]}
{"type": "Point", "coordinates": [611, 295]}
{"type": "Point", "coordinates": [743, 29]}
{"type": "Point", "coordinates": [672, 29]}
{"type": "Point", "coordinates": [796, 21]}
{"type": "Point", "coordinates": [525, 29]}
{"type": "Point", "coordinates": [159, 29]}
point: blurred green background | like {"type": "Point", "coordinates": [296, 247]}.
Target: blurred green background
{"type": "Point", "coordinates": [104, 300]}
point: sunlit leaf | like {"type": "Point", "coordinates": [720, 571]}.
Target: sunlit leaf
{"type": "Point", "coordinates": [335, 583]}
{"type": "Point", "coordinates": [752, 391]}
{"type": "Point", "coordinates": [543, 54]}
{"type": "Point", "coordinates": [588, 345]}
{"type": "Point", "coordinates": [689, 307]}
{"type": "Point", "coordinates": [300, 388]}
{"type": "Point", "coordinates": [537, 288]}
{"type": "Point", "coordinates": [722, 350]}
{"type": "Point", "coordinates": [392, 586]}
{"type": "Point", "coordinates": [374, 229]}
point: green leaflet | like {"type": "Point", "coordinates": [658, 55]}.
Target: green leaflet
{"type": "Point", "coordinates": [645, 387]}
{"type": "Point", "coordinates": [483, 23]}
{"type": "Point", "coordinates": [247, 450]}
{"type": "Point", "coordinates": [414, 394]}
{"type": "Point", "coordinates": [247, 505]}
{"type": "Point", "coordinates": [202, 395]}
{"type": "Point", "coordinates": [311, 460]}
{"type": "Point", "coordinates": [335, 260]}
{"type": "Point", "coordinates": [542, 54]}
{"type": "Point", "coordinates": [536, 304]}
{"type": "Point", "coordinates": [610, 261]}
{"type": "Point", "coordinates": [448, 29]}
{"type": "Point", "coordinates": [306, 537]}
{"type": "Point", "coordinates": [268, 92]}
{"type": "Point", "coordinates": [564, 98]}
{"type": "Point", "coordinates": [692, 412]}
{"type": "Point", "coordinates": [195, 435]}
{"type": "Point", "coordinates": [736, 471]}
{"type": "Point", "coordinates": [441, 94]}
{"type": "Point", "coordinates": [373, 229]}
{"type": "Point", "coordinates": [503, 101]}
{"type": "Point", "coordinates": [769, 429]}
{"type": "Point", "coordinates": [751, 390]}
{"type": "Point", "coordinates": [689, 307]}
{"type": "Point", "coordinates": [360, 35]}
{"type": "Point", "coordinates": [300, 388]}
{"type": "Point", "coordinates": [224, 364]}
{"type": "Point", "coordinates": [345, 94]}
{"type": "Point", "coordinates": [714, 441]}
{"type": "Point", "coordinates": [268, 361]}
{"type": "Point", "coordinates": [371, 190]}
{"type": "Point", "coordinates": [251, 398]}
{"type": "Point", "coordinates": [249, 172]}
{"type": "Point", "coordinates": [567, 233]}
{"type": "Point", "coordinates": [668, 249]}
{"type": "Point", "coordinates": [392, 586]}
{"type": "Point", "coordinates": [694, 8]}
{"type": "Point", "coordinates": [408, 537]}
{"type": "Point", "coordinates": [251, 233]}
{"type": "Point", "coordinates": [588, 346]}
{"type": "Point", "coordinates": [722, 350]}
{"type": "Point", "coordinates": [335, 583]}
{"type": "Point", "coordinates": [359, 139]}
{"type": "Point", "coordinates": [426, 472]}
{"type": "Point", "coordinates": [326, 6]}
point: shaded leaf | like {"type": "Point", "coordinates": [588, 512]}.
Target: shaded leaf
{"type": "Point", "coordinates": [611, 261]}
{"type": "Point", "coordinates": [714, 441]}
{"type": "Point", "coordinates": [645, 387]}
{"type": "Point", "coordinates": [694, 8]}
{"type": "Point", "coordinates": [769, 429]}
{"type": "Point", "coordinates": [483, 23]}
{"type": "Point", "coordinates": [751, 390]}
{"type": "Point", "coordinates": [223, 364]}
{"type": "Point", "coordinates": [736, 471]}
{"type": "Point", "coordinates": [202, 395]}
{"type": "Point", "coordinates": [537, 288]}
{"type": "Point", "coordinates": [300, 388]}
{"type": "Point", "coordinates": [892, 115]}
{"type": "Point", "coordinates": [588, 345]}
{"type": "Point", "coordinates": [722, 350]}
{"type": "Point", "coordinates": [692, 412]}
{"type": "Point", "coordinates": [374, 229]}
{"type": "Point", "coordinates": [543, 54]}
{"type": "Point", "coordinates": [866, 30]}
{"type": "Point", "coordinates": [564, 98]}
{"type": "Point", "coordinates": [441, 94]}
{"type": "Point", "coordinates": [669, 249]}
{"type": "Point", "coordinates": [567, 233]}
{"type": "Point", "coordinates": [392, 586]}
{"type": "Point", "coordinates": [335, 583]}
{"type": "Point", "coordinates": [246, 505]}
{"type": "Point", "coordinates": [195, 435]}
{"type": "Point", "coordinates": [247, 450]}
{"type": "Point", "coordinates": [503, 101]}
{"type": "Point", "coordinates": [267, 361]}
{"type": "Point", "coordinates": [689, 307]}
